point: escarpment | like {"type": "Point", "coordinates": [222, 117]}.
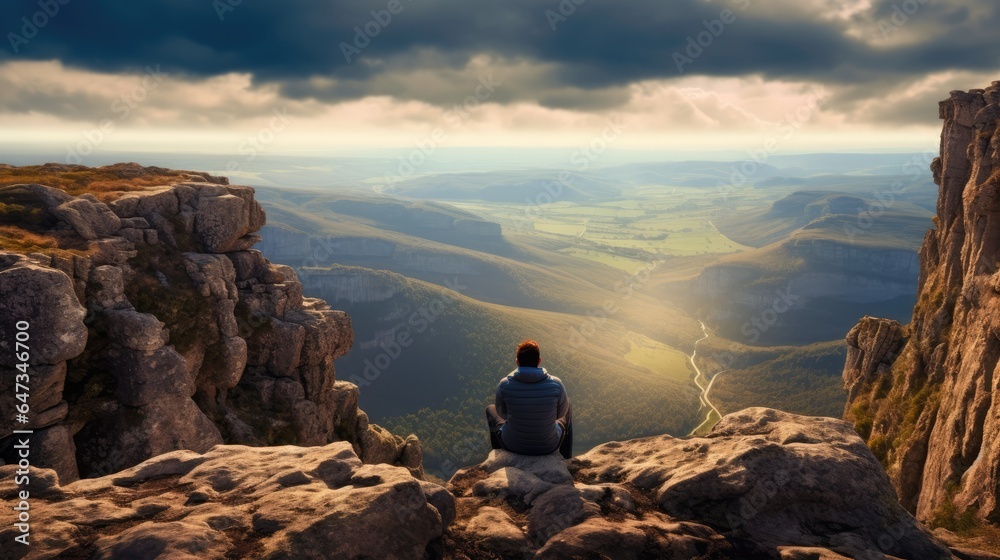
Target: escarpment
{"type": "Point", "coordinates": [924, 395]}
{"type": "Point", "coordinates": [155, 326]}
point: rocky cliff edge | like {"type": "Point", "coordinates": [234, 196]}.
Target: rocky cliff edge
{"type": "Point", "coordinates": [924, 395]}
{"type": "Point", "coordinates": [155, 326]}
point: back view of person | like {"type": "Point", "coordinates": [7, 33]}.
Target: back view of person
{"type": "Point", "coordinates": [531, 415]}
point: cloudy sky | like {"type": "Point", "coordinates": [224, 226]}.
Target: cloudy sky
{"type": "Point", "coordinates": [323, 76]}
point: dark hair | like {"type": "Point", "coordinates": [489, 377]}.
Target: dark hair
{"type": "Point", "coordinates": [528, 354]}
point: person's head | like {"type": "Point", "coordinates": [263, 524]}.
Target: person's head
{"type": "Point", "coordinates": [528, 354]}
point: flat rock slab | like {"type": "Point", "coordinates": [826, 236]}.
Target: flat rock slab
{"type": "Point", "coordinates": [550, 468]}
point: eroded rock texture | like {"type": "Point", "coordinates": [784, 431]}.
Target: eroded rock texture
{"type": "Point", "coordinates": [928, 408]}
{"type": "Point", "coordinates": [163, 329]}
{"type": "Point", "coordinates": [234, 502]}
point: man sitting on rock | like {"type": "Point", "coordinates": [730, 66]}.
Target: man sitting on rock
{"type": "Point", "coordinates": [531, 415]}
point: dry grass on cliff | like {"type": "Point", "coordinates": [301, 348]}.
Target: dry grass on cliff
{"type": "Point", "coordinates": [13, 238]}
{"type": "Point", "coordinates": [106, 183]}
{"type": "Point", "coordinates": [18, 240]}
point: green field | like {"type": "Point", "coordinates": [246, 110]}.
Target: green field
{"type": "Point", "coordinates": [626, 264]}
{"type": "Point", "coordinates": [658, 358]}
{"type": "Point", "coordinates": [558, 228]}
{"type": "Point", "coordinates": [623, 234]}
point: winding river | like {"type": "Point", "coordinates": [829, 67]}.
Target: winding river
{"type": "Point", "coordinates": [712, 414]}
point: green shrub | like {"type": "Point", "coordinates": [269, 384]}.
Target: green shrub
{"type": "Point", "coordinates": [948, 517]}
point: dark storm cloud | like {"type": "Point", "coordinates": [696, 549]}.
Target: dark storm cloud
{"type": "Point", "coordinates": [600, 48]}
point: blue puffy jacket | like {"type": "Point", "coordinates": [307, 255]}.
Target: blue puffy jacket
{"type": "Point", "coordinates": [531, 400]}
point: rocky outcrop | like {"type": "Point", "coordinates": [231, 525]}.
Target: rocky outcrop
{"type": "Point", "coordinates": [234, 502]}
{"type": "Point", "coordinates": [932, 415]}
{"type": "Point", "coordinates": [872, 346]}
{"type": "Point", "coordinates": [155, 326]}
{"type": "Point", "coordinates": [762, 484]}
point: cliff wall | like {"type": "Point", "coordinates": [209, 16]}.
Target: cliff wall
{"type": "Point", "coordinates": [924, 395]}
{"type": "Point", "coordinates": [155, 326]}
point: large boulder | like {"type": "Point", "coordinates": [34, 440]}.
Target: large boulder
{"type": "Point", "coordinates": [226, 219]}
{"type": "Point", "coordinates": [124, 435]}
{"type": "Point", "coordinates": [147, 377]}
{"type": "Point", "coordinates": [872, 346]}
{"type": "Point", "coordinates": [44, 298]}
{"type": "Point", "coordinates": [782, 478]}
{"type": "Point", "coordinates": [91, 218]}
{"type": "Point", "coordinates": [142, 332]}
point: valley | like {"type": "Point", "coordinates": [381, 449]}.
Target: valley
{"type": "Point", "coordinates": [618, 273]}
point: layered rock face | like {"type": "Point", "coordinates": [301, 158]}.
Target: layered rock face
{"type": "Point", "coordinates": [924, 395]}
{"type": "Point", "coordinates": [162, 329]}
{"type": "Point", "coordinates": [762, 484]}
